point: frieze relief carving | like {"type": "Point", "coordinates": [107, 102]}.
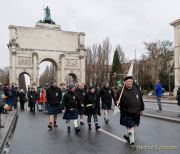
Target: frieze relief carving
{"type": "Point", "coordinates": [24, 61]}
{"type": "Point", "coordinates": [72, 63]}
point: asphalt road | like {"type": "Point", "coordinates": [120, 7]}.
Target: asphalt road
{"type": "Point", "coordinates": [32, 137]}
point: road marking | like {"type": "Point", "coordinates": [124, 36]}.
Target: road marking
{"type": "Point", "coordinates": [112, 135]}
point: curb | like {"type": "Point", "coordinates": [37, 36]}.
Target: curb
{"type": "Point", "coordinates": [9, 132]}
{"type": "Point", "coordinates": [161, 118]}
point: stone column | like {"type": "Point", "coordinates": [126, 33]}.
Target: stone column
{"type": "Point", "coordinates": [82, 69]}
{"type": "Point", "coordinates": [62, 67]}
{"type": "Point", "coordinates": [35, 69]}
{"type": "Point", "coordinates": [176, 25]}
{"type": "Point", "coordinates": [13, 64]}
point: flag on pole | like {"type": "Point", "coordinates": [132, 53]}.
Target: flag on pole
{"type": "Point", "coordinates": [130, 73]}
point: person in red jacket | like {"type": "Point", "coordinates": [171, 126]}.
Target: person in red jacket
{"type": "Point", "coordinates": [42, 100]}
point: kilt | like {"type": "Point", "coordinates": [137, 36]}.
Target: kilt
{"type": "Point", "coordinates": [80, 110]}
{"type": "Point", "coordinates": [54, 110]}
{"type": "Point", "coordinates": [106, 106]}
{"type": "Point", "coordinates": [71, 114]}
{"type": "Point", "coordinates": [129, 120]}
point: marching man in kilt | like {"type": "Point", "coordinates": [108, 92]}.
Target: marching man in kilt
{"type": "Point", "coordinates": [54, 96]}
{"type": "Point", "coordinates": [80, 92]}
{"type": "Point", "coordinates": [131, 107]}
{"type": "Point", "coordinates": [70, 102]}
{"type": "Point", "coordinates": [106, 94]}
{"type": "Point", "coordinates": [92, 107]}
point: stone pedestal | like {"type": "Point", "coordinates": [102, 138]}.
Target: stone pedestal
{"type": "Point", "coordinates": [176, 25]}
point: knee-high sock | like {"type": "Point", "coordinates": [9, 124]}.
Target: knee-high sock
{"type": "Point", "coordinates": [81, 118]}
{"type": "Point", "coordinates": [75, 123]}
{"type": "Point", "coordinates": [68, 123]}
{"type": "Point", "coordinates": [106, 114]}
{"type": "Point", "coordinates": [131, 135]}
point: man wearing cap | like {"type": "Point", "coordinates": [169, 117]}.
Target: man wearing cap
{"type": "Point", "coordinates": [131, 106]}
{"type": "Point", "coordinates": [70, 102]}
{"type": "Point", "coordinates": [106, 94]}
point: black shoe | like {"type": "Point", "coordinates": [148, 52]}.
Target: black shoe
{"type": "Point", "coordinates": [82, 123]}
{"type": "Point", "coordinates": [127, 138]}
{"type": "Point", "coordinates": [1, 126]}
{"type": "Point", "coordinates": [68, 130]}
{"type": "Point", "coordinates": [133, 146]}
{"type": "Point", "coordinates": [89, 126]}
{"type": "Point", "coordinates": [50, 126]}
{"type": "Point", "coordinates": [97, 126]}
{"type": "Point", "coordinates": [77, 130]}
{"type": "Point", "coordinates": [55, 125]}
{"type": "Point", "coordinates": [106, 121]}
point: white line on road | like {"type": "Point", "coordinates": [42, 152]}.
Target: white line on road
{"type": "Point", "coordinates": [112, 135]}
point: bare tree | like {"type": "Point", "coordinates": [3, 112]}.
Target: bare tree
{"type": "Point", "coordinates": [4, 75]}
{"type": "Point", "coordinates": [160, 54]}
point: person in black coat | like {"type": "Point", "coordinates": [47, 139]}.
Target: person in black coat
{"type": "Point", "coordinates": [54, 96]}
{"type": "Point", "coordinates": [178, 98]}
{"type": "Point", "coordinates": [70, 102]}
{"type": "Point", "coordinates": [106, 94]}
{"type": "Point", "coordinates": [131, 107]}
{"type": "Point", "coordinates": [80, 92]}
{"type": "Point", "coordinates": [22, 98]}
{"type": "Point", "coordinates": [32, 98]}
{"type": "Point", "coordinates": [92, 107]}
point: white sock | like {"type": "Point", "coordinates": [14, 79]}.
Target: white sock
{"type": "Point", "coordinates": [106, 114]}
{"type": "Point", "coordinates": [81, 118]}
{"type": "Point", "coordinates": [75, 123]}
{"type": "Point", "coordinates": [68, 123]}
{"type": "Point", "coordinates": [131, 135]}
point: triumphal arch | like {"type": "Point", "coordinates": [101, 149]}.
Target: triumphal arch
{"type": "Point", "coordinates": [30, 46]}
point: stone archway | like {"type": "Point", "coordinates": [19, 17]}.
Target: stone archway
{"type": "Point", "coordinates": [52, 71]}
{"type": "Point", "coordinates": [71, 79]}
{"type": "Point", "coordinates": [22, 81]}
{"type": "Point", "coordinates": [29, 46]}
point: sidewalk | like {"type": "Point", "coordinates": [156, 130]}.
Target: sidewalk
{"type": "Point", "coordinates": [164, 115]}
{"type": "Point", "coordinates": [8, 121]}
{"type": "Point", "coordinates": [163, 100]}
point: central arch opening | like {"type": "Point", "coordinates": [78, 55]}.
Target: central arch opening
{"type": "Point", "coordinates": [47, 72]}
{"type": "Point", "coordinates": [24, 81]}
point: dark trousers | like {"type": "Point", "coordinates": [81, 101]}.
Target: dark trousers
{"type": "Point", "coordinates": [22, 105]}
{"type": "Point", "coordinates": [89, 118]}
{"type": "Point", "coordinates": [32, 106]}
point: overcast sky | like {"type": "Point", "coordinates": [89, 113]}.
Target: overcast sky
{"type": "Point", "coordinates": [126, 22]}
